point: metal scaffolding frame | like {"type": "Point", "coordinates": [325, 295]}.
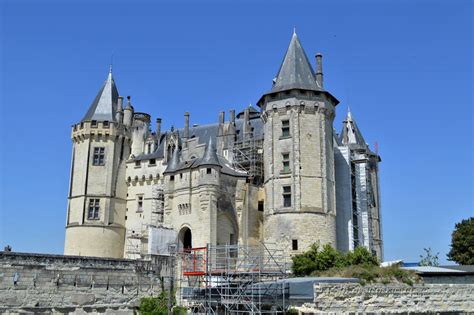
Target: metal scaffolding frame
{"type": "Point", "coordinates": [234, 279]}
{"type": "Point", "coordinates": [248, 156]}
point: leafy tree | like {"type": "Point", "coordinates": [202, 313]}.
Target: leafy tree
{"type": "Point", "coordinates": [462, 243]}
{"type": "Point", "coordinates": [429, 259]}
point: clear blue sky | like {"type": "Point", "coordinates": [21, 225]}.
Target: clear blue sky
{"type": "Point", "coordinates": [404, 67]}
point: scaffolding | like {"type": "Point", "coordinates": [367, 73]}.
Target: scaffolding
{"type": "Point", "coordinates": [157, 205]}
{"type": "Point", "coordinates": [248, 156]}
{"type": "Point", "coordinates": [234, 279]}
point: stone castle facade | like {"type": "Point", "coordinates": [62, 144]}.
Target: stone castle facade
{"type": "Point", "coordinates": [277, 174]}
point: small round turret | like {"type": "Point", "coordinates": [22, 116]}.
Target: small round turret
{"type": "Point", "coordinates": [128, 113]}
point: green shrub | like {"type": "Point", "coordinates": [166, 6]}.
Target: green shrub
{"type": "Point", "coordinates": [315, 260]}
{"type": "Point", "coordinates": [292, 311]}
{"type": "Point", "coordinates": [179, 310]}
{"type": "Point", "coordinates": [156, 305]}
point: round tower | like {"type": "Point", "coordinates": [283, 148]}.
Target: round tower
{"type": "Point", "coordinates": [298, 156]}
{"type": "Point", "coordinates": [95, 223]}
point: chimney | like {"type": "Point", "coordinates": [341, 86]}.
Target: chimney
{"type": "Point", "coordinates": [232, 116]}
{"type": "Point", "coordinates": [186, 125]}
{"type": "Point", "coordinates": [221, 118]}
{"type": "Point", "coordinates": [319, 70]}
{"type": "Point", "coordinates": [246, 127]}
{"type": "Point", "coordinates": [220, 141]}
{"type": "Point", "coordinates": [158, 130]}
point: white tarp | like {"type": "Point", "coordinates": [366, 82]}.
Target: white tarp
{"type": "Point", "coordinates": [160, 239]}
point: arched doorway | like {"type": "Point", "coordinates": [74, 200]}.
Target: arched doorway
{"type": "Point", "coordinates": [185, 238]}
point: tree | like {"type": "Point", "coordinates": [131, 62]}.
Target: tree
{"type": "Point", "coordinates": [462, 243]}
{"type": "Point", "coordinates": [429, 259]}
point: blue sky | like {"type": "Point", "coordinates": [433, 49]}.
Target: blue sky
{"type": "Point", "coordinates": [403, 67]}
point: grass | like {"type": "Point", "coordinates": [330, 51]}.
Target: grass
{"type": "Point", "coordinates": [372, 274]}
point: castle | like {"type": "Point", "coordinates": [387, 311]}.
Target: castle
{"type": "Point", "coordinates": [277, 174]}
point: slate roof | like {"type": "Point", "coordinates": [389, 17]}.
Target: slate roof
{"type": "Point", "coordinates": [295, 71]}
{"type": "Point", "coordinates": [253, 113]}
{"type": "Point", "coordinates": [174, 163]}
{"type": "Point", "coordinates": [105, 103]}
{"type": "Point", "coordinates": [350, 133]}
{"type": "Point", "coordinates": [206, 132]}
{"type": "Point", "coordinates": [209, 157]}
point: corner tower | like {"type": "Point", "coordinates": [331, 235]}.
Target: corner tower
{"type": "Point", "coordinates": [299, 182]}
{"type": "Point", "coordinates": [95, 223]}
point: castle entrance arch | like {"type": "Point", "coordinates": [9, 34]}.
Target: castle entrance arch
{"type": "Point", "coordinates": [185, 238]}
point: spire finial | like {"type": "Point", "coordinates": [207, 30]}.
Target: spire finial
{"type": "Point", "coordinates": [294, 30]}
{"type": "Point", "coordinates": [111, 62]}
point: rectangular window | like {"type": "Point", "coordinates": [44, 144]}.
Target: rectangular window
{"type": "Point", "coordinates": [105, 124]}
{"type": "Point", "coordinates": [94, 123]}
{"type": "Point", "coordinates": [171, 178]}
{"type": "Point", "coordinates": [139, 203]}
{"type": "Point", "coordinates": [99, 156]}
{"type": "Point", "coordinates": [260, 205]}
{"type": "Point", "coordinates": [285, 128]}
{"type": "Point", "coordinates": [294, 244]}
{"type": "Point", "coordinates": [208, 171]}
{"type": "Point", "coordinates": [286, 196]}
{"type": "Point", "coordinates": [137, 163]}
{"type": "Point", "coordinates": [152, 162]}
{"type": "Point", "coordinates": [286, 162]}
{"type": "Point", "coordinates": [93, 210]}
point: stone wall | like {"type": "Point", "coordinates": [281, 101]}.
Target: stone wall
{"type": "Point", "coordinates": [391, 298]}
{"type": "Point", "coordinates": [45, 284]}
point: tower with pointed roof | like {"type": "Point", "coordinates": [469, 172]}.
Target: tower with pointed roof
{"type": "Point", "coordinates": [357, 187]}
{"type": "Point", "coordinates": [97, 195]}
{"type": "Point", "coordinates": [298, 115]}
{"type": "Point", "coordinates": [276, 173]}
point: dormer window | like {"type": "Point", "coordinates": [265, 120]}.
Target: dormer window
{"type": "Point", "coordinates": [94, 123]}
{"type": "Point", "coordinates": [105, 124]}
{"type": "Point", "coordinates": [152, 161]}
{"type": "Point", "coordinates": [137, 163]}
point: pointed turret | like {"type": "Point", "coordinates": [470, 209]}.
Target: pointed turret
{"type": "Point", "coordinates": [350, 133]}
{"type": "Point", "coordinates": [295, 71]}
{"type": "Point", "coordinates": [104, 106]}
{"type": "Point", "coordinates": [174, 163]}
{"type": "Point", "coordinates": [210, 155]}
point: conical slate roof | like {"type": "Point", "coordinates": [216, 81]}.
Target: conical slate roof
{"type": "Point", "coordinates": [350, 133]}
{"type": "Point", "coordinates": [210, 156]}
{"type": "Point", "coordinates": [174, 163]}
{"type": "Point", "coordinates": [295, 71]}
{"type": "Point", "coordinates": [105, 103]}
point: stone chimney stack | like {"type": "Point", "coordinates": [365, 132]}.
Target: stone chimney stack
{"type": "Point", "coordinates": [232, 116]}
{"type": "Point", "coordinates": [158, 130]}
{"type": "Point", "coordinates": [319, 69]}
{"type": "Point", "coordinates": [186, 129]}
{"type": "Point", "coordinates": [186, 125]}
{"type": "Point", "coordinates": [220, 134]}
{"type": "Point", "coordinates": [246, 126]}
